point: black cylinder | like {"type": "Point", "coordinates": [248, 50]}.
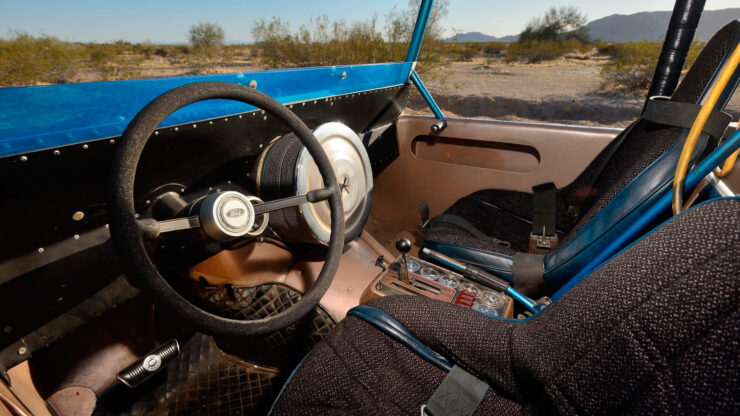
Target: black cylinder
{"type": "Point", "coordinates": [678, 38]}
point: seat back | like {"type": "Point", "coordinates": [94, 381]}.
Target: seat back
{"type": "Point", "coordinates": [641, 170]}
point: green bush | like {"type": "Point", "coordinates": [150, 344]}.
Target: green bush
{"type": "Point", "coordinates": [207, 38]}
{"type": "Point", "coordinates": [116, 60]}
{"type": "Point", "coordinates": [565, 23]}
{"type": "Point", "coordinates": [322, 43]}
{"type": "Point", "coordinates": [538, 51]}
{"type": "Point", "coordinates": [494, 48]}
{"type": "Point", "coordinates": [27, 60]}
{"type": "Point", "coordinates": [632, 65]}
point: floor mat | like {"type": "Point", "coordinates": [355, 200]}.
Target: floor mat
{"type": "Point", "coordinates": [205, 380]}
{"type": "Point", "coordinates": [224, 376]}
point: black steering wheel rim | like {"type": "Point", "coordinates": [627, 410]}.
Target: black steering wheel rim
{"type": "Point", "coordinates": [128, 238]}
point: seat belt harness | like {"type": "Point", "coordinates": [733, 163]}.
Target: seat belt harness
{"type": "Point", "coordinates": [543, 239]}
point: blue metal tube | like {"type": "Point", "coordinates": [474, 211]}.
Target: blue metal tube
{"type": "Point", "coordinates": [427, 97]}
{"type": "Point", "coordinates": [527, 302]}
{"type": "Point", "coordinates": [419, 29]}
{"type": "Point", "coordinates": [661, 206]}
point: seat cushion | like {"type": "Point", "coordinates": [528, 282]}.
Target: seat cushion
{"type": "Point", "coordinates": [655, 330]}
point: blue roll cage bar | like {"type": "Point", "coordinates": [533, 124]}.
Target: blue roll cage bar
{"type": "Point", "coordinates": [417, 37]}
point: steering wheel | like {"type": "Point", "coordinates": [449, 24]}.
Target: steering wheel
{"type": "Point", "coordinates": [222, 216]}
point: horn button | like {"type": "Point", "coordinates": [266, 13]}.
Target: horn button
{"type": "Point", "coordinates": [226, 215]}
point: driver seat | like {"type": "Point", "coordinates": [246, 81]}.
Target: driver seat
{"type": "Point", "coordinates": [654, 330]}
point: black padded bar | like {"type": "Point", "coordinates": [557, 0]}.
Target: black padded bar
{"type": "Point", "coordinates": [680, 34]}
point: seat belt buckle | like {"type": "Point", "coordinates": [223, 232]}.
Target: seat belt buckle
{"type": "Point", "coordinates": [542, 244]}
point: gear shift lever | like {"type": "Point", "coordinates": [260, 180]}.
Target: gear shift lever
{"type": "Point", "coordinates": [404, 246]}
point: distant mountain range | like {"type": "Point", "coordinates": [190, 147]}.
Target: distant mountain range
{"type": "Point", "coordinates": [480, 37]}
{"type": "Point", "coordinates": [629, 28]}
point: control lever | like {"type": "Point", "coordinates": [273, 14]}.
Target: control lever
{"type": "Point", "coordinates": [404, 246]}
{"type": "Point", "coordinates": [481, 276]}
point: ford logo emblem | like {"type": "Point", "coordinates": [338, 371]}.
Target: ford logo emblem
{"type": "Point", "coordinates": [236, 212]}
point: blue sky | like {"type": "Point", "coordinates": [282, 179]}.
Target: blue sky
{"type": "Point", "coordinates": [169, 20]}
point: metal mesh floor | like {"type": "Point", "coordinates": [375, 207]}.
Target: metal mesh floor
{"type": "Point", "coordinates": [246, 379]}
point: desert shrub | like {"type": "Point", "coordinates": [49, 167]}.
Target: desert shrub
{"type": "Point", "coordinates": [462, 51]}
{"type": "Point", "coordinates": [323, 42]}
{"type": "Point", "coordinates": [631, 69]}
{"type": "Point", "coordinates": [206, 38]}
{"type": "Point", "coordinates": [114, 60]}
{"type": "Point", "coordinates": [494, 48]}
{"type": "Point", "coordinates": [538, 51]}
{"type": "Point", "coordinates": [28, 60]}
{"type": "Point", "coordinates": [565, 23]}
{"type": "Point", "coordinates": [163, 52]}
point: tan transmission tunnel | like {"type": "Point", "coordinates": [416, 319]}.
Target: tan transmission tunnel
{"type": "Point", "coordinates": [285, 168]}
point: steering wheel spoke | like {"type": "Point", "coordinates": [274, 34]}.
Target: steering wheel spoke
{"type": "Point", "coordinates": [316, 195]}
{"type": "Point", "coordinates": [151, 228]}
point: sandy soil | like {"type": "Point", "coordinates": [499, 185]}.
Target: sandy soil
{"type": "Point", "coordinates": [562, 91]}
{"type": "Point", "coordinates": [157, 67]}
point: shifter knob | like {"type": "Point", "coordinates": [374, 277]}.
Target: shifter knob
{"type": "Point", "coordinates": [403, 245]}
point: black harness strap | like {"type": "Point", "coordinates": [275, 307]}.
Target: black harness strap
{"type": "Point", "coordinates": [678, 114]}
{"type": "Point", "coordinates": [543, 237]}
{"type": "Point", "coordinates": [460, 394]}
{"type": "Point", "coordinates": [543, 221]}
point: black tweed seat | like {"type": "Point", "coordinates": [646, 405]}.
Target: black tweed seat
{"type": "Point", "coordinates": [656, 330]}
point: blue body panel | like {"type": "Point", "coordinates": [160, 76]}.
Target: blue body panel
{"type": "Point", "coordinates": [42, 117]}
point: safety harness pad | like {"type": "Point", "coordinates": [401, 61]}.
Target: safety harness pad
{"type": "Point", "coordinates": [459, 394]}
{"type": "Point", "coordinates": [680, 114]}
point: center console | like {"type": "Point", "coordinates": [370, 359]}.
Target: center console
{"type": "Point", "coordinates": [423, 278]}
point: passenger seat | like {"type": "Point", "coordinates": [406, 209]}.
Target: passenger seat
{"type": "Point", "coordinates": [498, 230]}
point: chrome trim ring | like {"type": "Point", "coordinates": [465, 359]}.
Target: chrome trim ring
{"type": "Point", "coordinates": [260, 224]}
{"type": "Point", "coordinates": [226, 215]}
{"type": "Point", "coordinates": [351, 164]}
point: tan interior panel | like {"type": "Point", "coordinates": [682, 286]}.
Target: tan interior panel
{"type": "Point", "coordinates": [474, 154]}
{"type": "Point", "coordinates": [477, 153]}
{"type": "Point", "coordinates": [24, 391]}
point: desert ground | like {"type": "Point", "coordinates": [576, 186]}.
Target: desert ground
{"type": "Point", "coordinates": [566, 91]}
